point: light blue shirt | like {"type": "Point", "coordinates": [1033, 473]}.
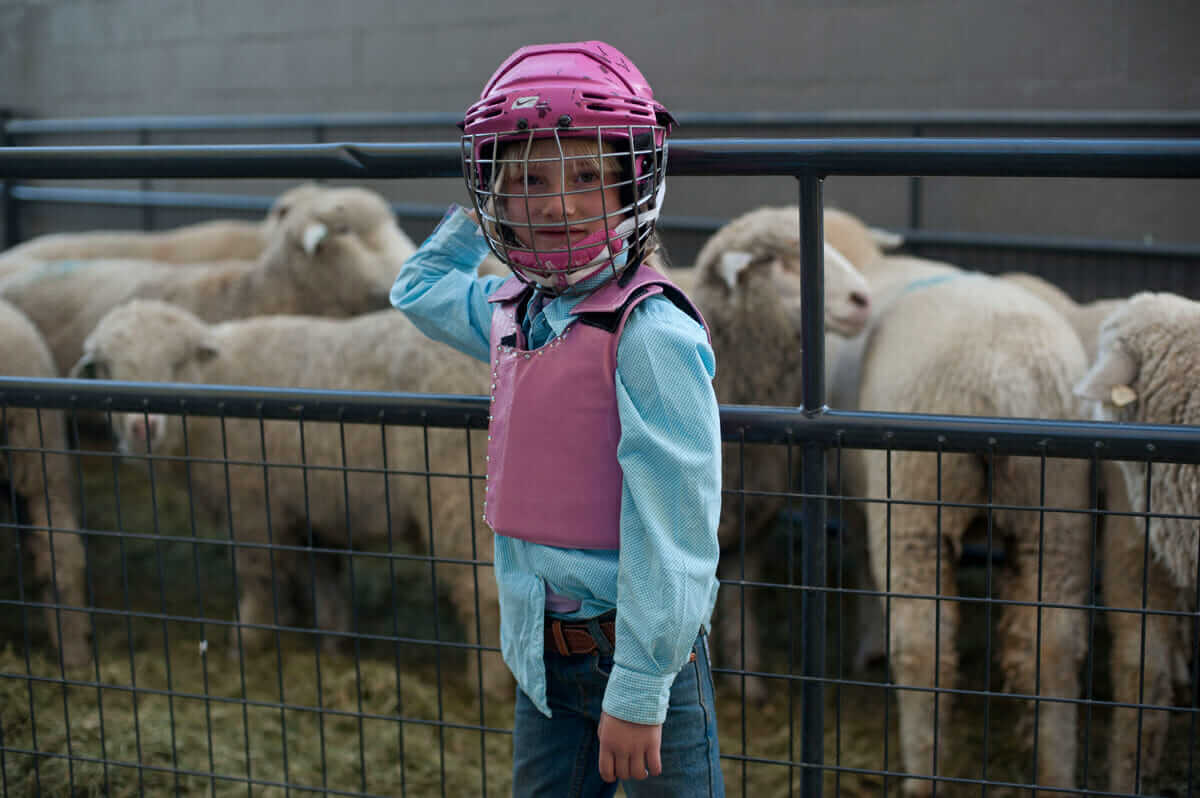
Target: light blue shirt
{"type": "Point", "coordinates": [662, 581]}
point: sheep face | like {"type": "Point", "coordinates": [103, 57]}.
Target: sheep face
{"type": "Point", "coordinates": [1148, 371]}
{"type": "Point", "coordinates": [332, 249]}
{"type": "Point", "coordinates": [146, 341]}
{"type": "Point", "coordinates": [770, 281]}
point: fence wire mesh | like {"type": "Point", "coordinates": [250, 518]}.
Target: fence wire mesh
{"type": "Point", "coordinates": [251, 604]}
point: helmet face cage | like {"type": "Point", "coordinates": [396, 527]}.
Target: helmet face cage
{"type": "Point", "coordinates": [628, 158]}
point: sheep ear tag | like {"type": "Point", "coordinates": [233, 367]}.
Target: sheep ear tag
{"type": "Point", "coordinates": [732, 264]}
{"type": "Point", "coordinates": [1114, 369]}
{"type": "Point", "coordinates": [1122, 395]}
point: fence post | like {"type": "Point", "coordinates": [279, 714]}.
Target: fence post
{"type": "Point", "coordinates": [812, 487]}
{"type": "Point", "coordinates": [146, 185]}
{"type": "Point", "coordinates": [914, 193]}
{"type": "Point", "coordinates": [8, 203]}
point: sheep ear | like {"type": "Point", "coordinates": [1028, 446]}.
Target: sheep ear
{"type": "Point", "coordinates": [886, 240]}
{"type": "Point", "coordinates": [733, 262]}
{"type": "Point", "coordinates": [206, 350]}
{"type": "Point", "coordinates": [312, 237]}
{"type": "Point", "coordinates": [82, 366]}
{"type": "Point", "coordinates": [1109, 378]}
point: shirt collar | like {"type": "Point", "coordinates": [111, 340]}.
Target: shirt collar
{"type": "Point", "coordinates": [557, 310]}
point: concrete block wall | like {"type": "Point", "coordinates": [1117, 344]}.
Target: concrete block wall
{"type": "Point", "coordinates": [116, 57]}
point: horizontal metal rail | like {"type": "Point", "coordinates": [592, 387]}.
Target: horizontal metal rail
{"type": "Point", "coordinates": [753, 424]}
{"type": "Point", "coordinates": [967, 157]}
{"type": "Point", "coordinates": [700, 224]}
{"type": "Point", "coordinates": [768, 119]}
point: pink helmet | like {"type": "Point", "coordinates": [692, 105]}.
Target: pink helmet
{"type": "Point", "coordinates": [590, 104]}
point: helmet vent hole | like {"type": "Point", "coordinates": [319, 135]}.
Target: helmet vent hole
{"type": "Point", "coordinates": [599, 107]}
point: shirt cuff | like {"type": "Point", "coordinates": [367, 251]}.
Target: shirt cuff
{"type": "Point", "coordinates": [638, 697]}
{"type": "Point", "coordinates": [459, 232]}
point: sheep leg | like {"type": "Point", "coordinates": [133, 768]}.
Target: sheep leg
{"type": "Point", "coordinates": [263, 600]}
{"type": "Point", "coordinates": [1134, 758]}
{"type": "Point", "coordinates": [459, 533]}
{"type": "Point", "coordinates": [331, 605]}
{"type": "Point", "coordinates": [916, 549]}
{"type": "Point", "coordinates": [58, 557]}
{"type": "Point", "coordinates": [870, 624]}
{"type": "Point", "coordinates": [1049, 559]}
{"type": "Point", "coordinates": [743, 529]}
{"type": "Point", "coordinates": [736, 622]}
{"type": "Point", "coordinates": [59, 569]}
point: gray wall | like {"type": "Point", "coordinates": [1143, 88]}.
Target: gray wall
{"type": "Point", "coordinates": [115, 57]}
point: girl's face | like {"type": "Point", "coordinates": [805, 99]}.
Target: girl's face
{"type": "Point", "coordinates": [554, 203]}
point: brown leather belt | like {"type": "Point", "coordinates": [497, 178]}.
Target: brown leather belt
{"type": "Point", "coordinates": [575, 637]}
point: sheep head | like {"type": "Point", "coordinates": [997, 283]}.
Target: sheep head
{"type": "Point", "coordinates": [286, 202]}
{"type": "Point", "coordinates": [146, 341]}
{"type": "Point", "coordinates": [754, 262]}
{"type": "Point", "coordinates": [1147, 370]}
{"type": "Point", "coordinates": [331, 251]}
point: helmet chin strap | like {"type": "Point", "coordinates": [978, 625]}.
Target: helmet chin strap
{"type": "Point", "coordinates": [560, 281]}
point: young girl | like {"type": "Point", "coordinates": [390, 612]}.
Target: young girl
{"type": "Point", "coordinates": [604, 473]}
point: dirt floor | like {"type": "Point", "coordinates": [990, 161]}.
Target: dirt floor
{"type": "Point", "coordinates": [170, 706]}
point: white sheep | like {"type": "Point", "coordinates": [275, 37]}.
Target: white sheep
{"type": "Point", "coordinates": [154, 341]}
{"type": "Point", "coordinates": [208, 241]}
{"type": "Point", "coordinates": [1148, 371]}
{"type": "Point", "coordinates": [38, 472]}
{"type": "Point", "coordinates": [747, 284]}
{"type": "Point", "coordinates": [328, 257]}
{"type": "Point", "coordinates": [944, 341]}
{"type": "Point", "coordinates": [1143, 670]}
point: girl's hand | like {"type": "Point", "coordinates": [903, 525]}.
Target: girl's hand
{"type": "Point", "coordinates": [628, 750]}
{"type": "Point", "coordinates": [472, 215]}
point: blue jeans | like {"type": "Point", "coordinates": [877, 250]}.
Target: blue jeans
{"type": "Point", "coordinates": [560, 756]}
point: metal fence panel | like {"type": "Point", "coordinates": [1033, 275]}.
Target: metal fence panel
{"type": "Point", "coordinates": [262, 613]}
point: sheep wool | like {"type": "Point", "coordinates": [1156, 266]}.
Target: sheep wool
{"type": "Point", "coordinates": [44, 486]}
{"type": "Point", "coordinates": [1085, 318]}
{"type": "Point", "coordinates": [203, 242]}
{"type": "Point", "coordinates": [1148, 371]}
{"type": "Point", "coordinates": [361, 505]}
{"type": "Point", "coordinates": [327, 257]}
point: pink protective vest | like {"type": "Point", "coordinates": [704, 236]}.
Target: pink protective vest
{"type": "Point", "coordinates": [553, 429]}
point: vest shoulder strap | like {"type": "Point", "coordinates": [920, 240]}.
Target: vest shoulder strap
{"type": "Point", "coordinates": [609, 321]}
